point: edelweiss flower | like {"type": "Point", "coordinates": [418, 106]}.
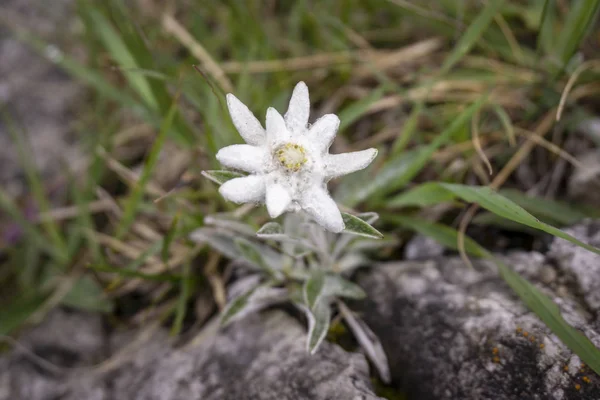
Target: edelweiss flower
{"type": "Point", "coordinates": [289, 162]}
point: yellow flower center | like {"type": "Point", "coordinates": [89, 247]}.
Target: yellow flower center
{"type": "Point", "coordinates": [292, 156]}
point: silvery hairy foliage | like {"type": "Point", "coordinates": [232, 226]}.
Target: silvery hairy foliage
{"type": "Point", "coordinates": [308, 258]}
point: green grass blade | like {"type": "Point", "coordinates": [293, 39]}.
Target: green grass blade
{"type": "Point", "coordinates": [410, 126]}
{"type": "Point", "coordinates": [185, 289]}
{"type": "Point", "coordinates": [133, 201]}
{"type": "Point", "coordinates": [546, 35]}
{"type": "Point", "coordinates": [14, 314]}
{"type": "Point", "coordinates": [427, 194]}
{"type": "Point", "coordinates": [550, 211]}
{"type": "Point", "coordinates": [353, 112]}
{"type": "Point", "coordinates": [472, 34]}
{"type": "Point", "coordinates": [506, 123]}
{"type": "Point", "coordinates": [398, 171]}
{"type": "Point", "coordinates": [424, 156]}
{"type": "Point", "coordinates": [500, 205]}
{"type": "Point", "coordinates": [166, 247]}
{"type": "Point", "coordinates": [122, 55]}
{"type": "Point", "coordinates": [580, 19]}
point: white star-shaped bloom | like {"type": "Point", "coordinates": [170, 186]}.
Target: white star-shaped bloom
{"type": "Point", "coordinates": [289, 162]}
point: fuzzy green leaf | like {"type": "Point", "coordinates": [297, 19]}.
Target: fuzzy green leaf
{"type": "Point", "coordinates": [221, 176]}
{"type": "Point", "coordinates": [251, 253]}
{"type": "Point", "coordinates": [357, 226]}
{"type": "Point", "coordinates": [235, 307]}
{"type": "Point", "coordinates": [270, 229]}
{"type": "Point", "coordinates": [318, 324]}
{"type": "Point", "coordinates": [313, 288]}
{"type": "Point", "coordinates": [336, 286]}
{"type": "Point", "coordinates": [253, 300]}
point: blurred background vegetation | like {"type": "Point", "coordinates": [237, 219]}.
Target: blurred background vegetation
{"type": "Point", "coordinates": [464, 92]}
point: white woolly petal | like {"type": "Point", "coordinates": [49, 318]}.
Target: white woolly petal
{"type": "Point", "coordinates": [249, 189]}
{"type": "Point", "coordinates": [278, 200]}
{"type": "Point", "coordinates": [245, 122]}
{"type": "Point", "coordinates": [277, 131]}
{"type": "Point", "coordinates": [323, 131]}
{"type": "Point", "coordinates": [321, 207]}
{"type": "Point", "coordinates": [243, 156]}
{"type": "Point", "coordinates": [345, 163]}
{"type": "Point", "coordinates": [298, 111]}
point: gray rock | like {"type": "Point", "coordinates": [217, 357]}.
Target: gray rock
{"type": "Point", "coordinates": [584, 184]}
{"type": "Point", "coordinates": [40, 366]}
{"type": "Point", "coordinates": [422, 247]}
{"type": "Point", "coordinates": [451, 332]}
{"type": "Point", "coordinates": [39, 97]}
{"type": "Point", "coordinates": [260, 357]}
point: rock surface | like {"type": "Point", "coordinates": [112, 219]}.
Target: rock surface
{"type": "Point", "coordinates": [584, 184]}
{"type": "Point", "coordinates": [451, 332]}
{"type": "Point", "coordinates": [260, 357]}
{"type": "Point", "coordinates": [39, 98]}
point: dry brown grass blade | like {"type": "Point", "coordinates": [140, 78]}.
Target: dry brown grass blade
{"type": "Point", "coordinates": [510, 37]}
{"type": "Point", "coordinates": [158, 267]}
{"type": "Point", "coordinates": [479, 171]}
{"type": "Point", "coordinates": [179, 257]}
{"type": "Point", "coordinates": [448, 91]}
{"type": "Point", "coordinates": [453, 151]}
{"type": "Point", "coordinates": [132, 133]}
{"type": "Point", "coordinates": [59, 214]}
{"type": "Point", "coordinates": [356, 38]}
{"type": "Point", "coordinates": [515, 73]}
{"type": "Point", "coordinates": [477, 143]}
{"type": "Point", "coordinates": [215, 280]}
{"type": "Point", "coordinates": [540, 140]}
{"type": "Point", "coordinates": [126, 249]}
{"type": "Point", "coordinates": [592, 64]}
{"type": "Point", "coordinates": [130, 178]}
{"type": "Point", "coordinates": [173, 27]}
{"type": "Point", "coordinates": [462, 229]}
{"type": "Point", "coordinates": [405, 55]}
{"type": "Point", "coordinates": [424, 12]}
{"type": "Point", "coordinates": [586, 90]}
{"type": "Point", "coordinates": [295, 63]}
{"type": "Point", "coordinates": [542, 128]}
{"type": "Point", "coordinates": [116, 211]}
